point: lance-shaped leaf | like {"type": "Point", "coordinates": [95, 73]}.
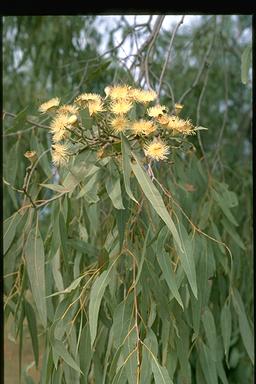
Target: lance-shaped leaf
{"type": "Point", "coordinates": [60, 349]}
{"type": "Point", "coordinates": [246, 61]}
{"type": "Point", "coordinates": [35, 259]}
{"type": "Point", "coordinates": [187, 257]}
{"type": "Point", "coordinates": [226, 327]}
{"type": "Point", "coordinates": [244, 326]}
{"type": "Point", "coordinates": [113, 186]}
{"type": "Point", "coordinates": [10, 225]}
{"type": "Point", "coordinates": [164, 261]}
{"type": "Point", "coordinates": [126, 156]}
{"type": "Point", "coordinates": [154, 197]}
{"type": "Point", "coordinates": [97, 292]}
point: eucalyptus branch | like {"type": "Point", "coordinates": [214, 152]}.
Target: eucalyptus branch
{"type": "Point", "coordinates": [168, 55]}
{"type": "Point", "coordinates": [20, 132]}
{"type": "Point", "coordinates": [224, 121]}
{"type": "Point", "coordinates": [150, 42]}
{"type": "Point", "coordinates": [204, 65]}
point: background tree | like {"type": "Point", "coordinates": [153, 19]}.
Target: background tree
{"type": "Point", "coordinates": [116, 275]}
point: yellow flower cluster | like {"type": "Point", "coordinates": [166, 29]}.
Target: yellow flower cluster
{"type": "Point", "coordinates": [114, 114]}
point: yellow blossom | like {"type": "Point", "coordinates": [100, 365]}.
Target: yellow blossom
{"type": "Point", "coordinates": [95, 106]}
{"type": "Point", "coordinates": [72, 119]}
{"type": "Point", "coordinates": [180, 125]}
{"type": "Point", "coordinates": [59, 127]}
{"type": "Point", "coordinates": [121, 107]}
{"type": "Point", "coordinates": [50, 104]}
{"type": "Point", "coordinates": [119, 123]}
{"type": "Point", "coordinates": [59, 154]}
{"type": "Point", "coordinates": [144, 97]}
{"type": "Point", "coordinates": [156, 110]}
{"type": "Point", "coordinates": [143, 127]}
{"type": "Point", "coordinates": [84, 98]}
{"type": "Point", "coordinates": [68, 109]}
{"type": "Point", "coordinates": [178, 108]}
{"type": "Point", "coordinates": [163, 119]}
{"type": "Point", "coordinates": [118, 92]}
{"type": "Point", "coordinates": [157, 150]}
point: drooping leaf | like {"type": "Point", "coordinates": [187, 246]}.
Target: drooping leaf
{"type": "Point", "coordinates": [32, 326]}
{"type": "Point", "coordinates": [187, 257]}
{"type": "Point", "coordinates": [208, 365]}
{"type": "Point", "coordinates": [97, 292]}
{"type": "Point", "coordinates": [56, 187]}
{"type": "Point", "coordinates": [164, 261]}
{"type": "Point", "coordinates": [245, 63]}
{"type": "Point", "coordinates": [113, 186]}
{"type": "Point", "coordinates": [10, 225]}
{"type": "Point", "coordinates": [35, 259]}
{"type": "Point", "coordinates": [210, 331]}
{"type": "Point", "coordinates": [60, 349]}
{"type": "Point", "coordinates": [244, 326]}
{"type": "Point", "coordinates": [154, 197]}
{"type": "Point", "coordinates": [226, 327]}
{"type": "Point", "coordinates": [126, 156]}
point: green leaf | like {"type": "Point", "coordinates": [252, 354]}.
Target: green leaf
{"type": "Point", "coordinates": [10, 225]}
{"type": "Point", "coordinates": [187, 257]}
{"type": "Point", "coordinates": [161, 374]}
{"type": "Point", "coordinates": [35, 259]}
{"type": "Point", "coordinates": [226, 327]}
{"type": "Point", "coordinates": [222, 204]}
{"type": "Point", "coordinates": [97, 292]}
{"type": "Point", "coordinates": [245, 329]}
{"type": "Point", "coordinates": [182, 343]}
{"type": "Point", "coordinates": [85, 353]}
{"type": "Point", "coordinates": [129, 349]}
{"type": "Point", "coordinates": [31, 318]}
{"type": "Point", "coordinates": [89, 191]}
{"type": "Point", "coordinates": [164, 261]}
{"type": "Point", "coordinates": [246, 63]}
{"type": "Point", "coordinates": [143, 254]}
{"type": "Point", "coordinates": [55, 187]}
{"type": "Point", "coordinates": [70, 288]}
{"type": "Point", "coordinates": [208, 365]}
{"type": "Point", "coordinates": [146, 364]}
{"type": "Point", "coordinates": [126, 156]}
{"type": "Point", "coordinates": [121, 320]}
{"type": "Point", "coordinates": [154, 197]}
{"type": "Point", "coordinates": [83, 247]}
{"type": "Point", "coordinates": [210, 331]}
{"type": "Point", "coordinates": [122, 217]}
{"type": "Point", "coordinates": [113, 186]}
{"type": "Point", "coordinates": [60, 349]}
{"type": "Point", "coordinates": [232, 232]}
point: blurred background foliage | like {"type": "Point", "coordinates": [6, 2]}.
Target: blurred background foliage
{"type": "Point", "coordinates": [49, 56]}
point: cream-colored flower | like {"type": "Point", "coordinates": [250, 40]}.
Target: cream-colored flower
{"type": "Point", "coordinates": [180, 125]}
{"type": "Point", "coordinates": [60, 154]}
{"type": "Point", "coordinates": [162, 119]}
{"type": "Point", "coordinates": [59, 126]}
{"type": "Point", "coordinates": [49, 105]}
{"type": "Point", "coordinates": [143, 127]}
{"type": "Point", "coordinates": [95, 106]}
{"type": "Point", "coordinates": [156, 150]}
{"type": "Point", "coordinates": [68, 109]}
{"type": "Point", "coordinates": [118, 92]}
{"type": "Point", "coordinates": [119, 123]}
{"type": "Point", "coordinates": [178, 107]}
{"type": "Point", "coordinates": [120, 107]}
{"type": "Point", "coordinates": [144, 97]}
{"type": "Point", "coordinates": [84, 98]}
{"type": "Point", "coordinates": [72, 119]}
{"type": "Point", "coordinates": [157, 110]}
